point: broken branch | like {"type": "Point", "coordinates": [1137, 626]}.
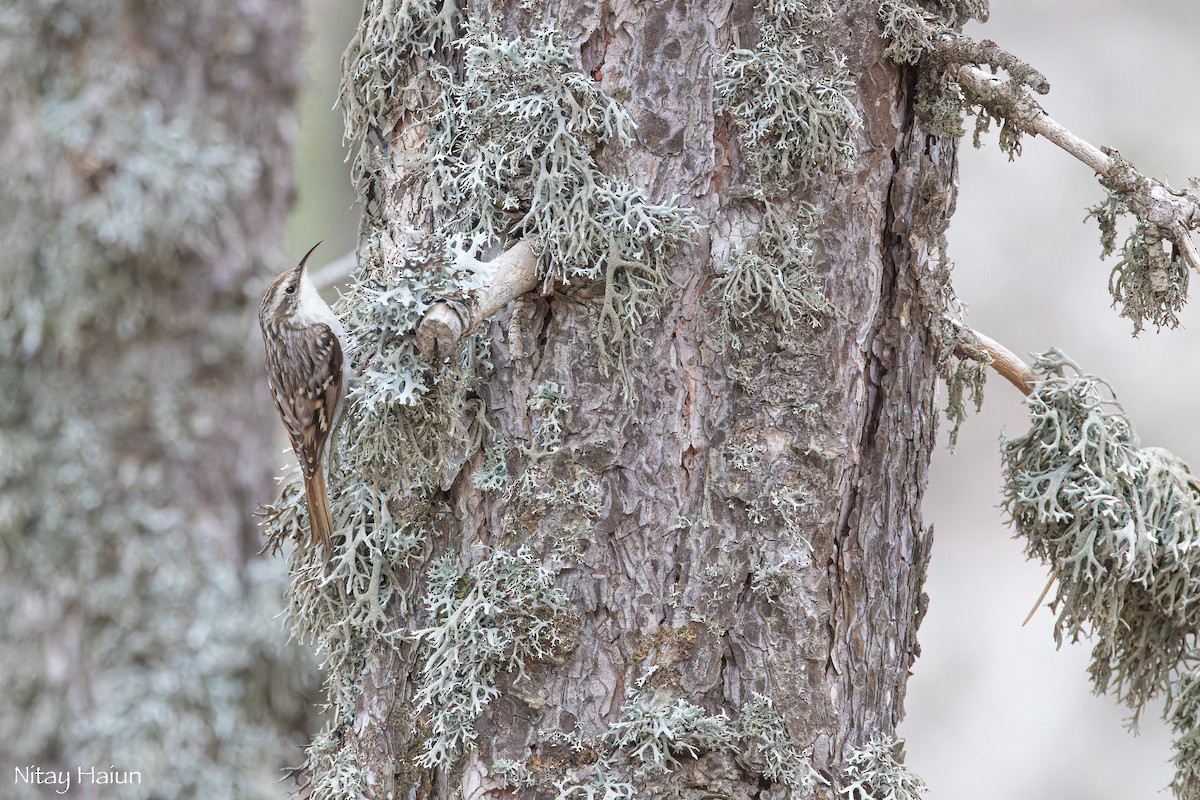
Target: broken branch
{"type": "Point", "coordinates": [972, 344]}
{"type": "Point", "coordinates": [513, 273]}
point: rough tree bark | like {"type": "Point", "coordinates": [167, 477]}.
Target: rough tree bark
{"type": "Point", "coordinates": [146, 153]}
{"type": "Point", "coordinates": [732, 512]}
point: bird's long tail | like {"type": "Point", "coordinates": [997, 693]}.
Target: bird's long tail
{"type": "Point", "coordinates": [320, 521]}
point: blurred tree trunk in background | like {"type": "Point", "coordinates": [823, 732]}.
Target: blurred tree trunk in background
{"type": "Point", "coordinates": [686, 566]}
{"type": "Point", "coordinates": [145, 174]}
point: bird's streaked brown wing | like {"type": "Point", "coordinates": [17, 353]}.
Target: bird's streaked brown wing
{"type": "Point", "coordinates": [307, 398]}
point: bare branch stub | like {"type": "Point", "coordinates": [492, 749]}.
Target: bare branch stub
{"type": "Point", "coordinates": [1006, 363]}
{"type": "Point", "coordinates": [513, 273]}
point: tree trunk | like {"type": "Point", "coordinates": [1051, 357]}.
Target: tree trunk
{"type": "Point", "coordinates": [146, 176]}
{"type": "Point", "coordinates": [685, 549]}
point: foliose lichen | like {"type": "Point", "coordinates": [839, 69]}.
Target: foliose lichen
{"type": "Point", "coordinates": [909, 30]}
{"type": "Point", "coordinates": [511, 131]}
{"type": "Point", "coordinates": [769, 750]}
{"type": "Point", "coordinates": [876, 771]}
{"type": "Point", "coordinates": [963, 365]}
{"type": "Point", "coordinates": [496, 618]}
{"type": "Point", "coordinates": [1119, 526]}
{"type": "Point", "coordinates": [789, 98]}
{"type": "Point", "coordinates": [1185, 720]}
{"type": "Point", "coordinates": [407, 427]}
{"type": "Point", "coordinates": [770, 279]}
{"type": "Point", "coordinates": [566, 498]}
{"type": "Point", "coordinates": [656, 736]}
{"type": "Point", "coordinates": [385, 62]}
{"type": "Point", "coordinates": [1150, 279]}
{"type": "Point", "coordinates": [932, 40]}
{"type": "Point", "coordinates": [512, 144]}
{"type": "Point", "coordinates": [652, 734]}
{"type": "Point", "coordinates": [791, 104]}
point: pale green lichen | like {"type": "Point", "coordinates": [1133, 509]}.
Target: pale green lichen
{"type": "Point", "coordinates": [773, 575]}
{"type": "Point", "coordinates": [771, 280]}
{"type": "Point", "coordinates": [791, 105]}
{"type": "Point", "coordinates": [512, 774]}
{"type": "Point", "coordinates": [493, 475]}
{"type": "Point", "coordinates": [876, 771]}
{"type": "Point", "coordinates": [512, 145]}
{"type": "Point", "coordinates": [1185, 719]}
{"type": "Point", "coordinates": [642, 747]}
{"type": "Point", "coordinates": [337, 775]}
{"type": "Point", "coordinates": [1150, 280]}
{"type": "Point", "coordinates": [790, 101]}
{"type": "Point", "coordinates": [414, 422]}
{"type": "Point", "coordinates": [1117, 523]}
{"type": "Point", "coordinates": [598, 781]}
{"type": "Point", "coordinates": [548, 407]}
{"type": "Point", "coordinates": [655, 738]}
{"type": "Point", "coordinates": [769, 750]}
{"type": "Point", "coordinates": [934, 43]}
{"type": "Point", "coordinates": [539, 489]}
{"type": "Point", "coordinates": [912, 34]}
{"type": "Point", "coordinates": [406, 423]}
{"type": "Point", "coordinates": [769, 580]}
{"type": "Point", "coordinates": [1008, 136]}
{"type": "Point", "coordinates": [963, 365]}
{"type": "Point", "coordinates": [567, 499]}
{"type": "Point", "coordinates": [910, 31]}
{"type": "Point", "coordinates": [499, 616]}
{"type": "Point", "coordinates": [404, 420]}
{"type": "Point", "coordinates": [384, 63]}
{"type": "Point", "coordinates": [653, 734]}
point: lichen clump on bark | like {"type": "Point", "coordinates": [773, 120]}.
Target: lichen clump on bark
{"type": "Point", "coordinates": [512, 144]}
{"type": "Point", "coordinates": [934, 43]}
{"type": "Point", "coordinates": [511, 131]}
{"type": "Point", "coordinates": [495, 138]}
{"type": "Point", "coordinates": [791, 103]}
{"type": "Point", "coordinates": [568, 503]}
{"type": "Point", "coordinates": [385, 63]}
{"type": "Point", "coordinates": [1119, 525]}
{"type": "Point", "coordinates": [876, 771]}
{"type": "Point", "coordinates": [771, 279]}
{"type": "Point", "coordinates": [789, 98]}
{"type": "Point", "coordinates": [655, 739]}
{"type": "Point", "coordinates": [499, 616]}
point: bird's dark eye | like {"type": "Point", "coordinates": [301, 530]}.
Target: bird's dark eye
{"type": "Point", "coordinates": [291, 289]}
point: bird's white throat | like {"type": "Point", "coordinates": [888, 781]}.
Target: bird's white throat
{"type": "Point", "coordinates": [312, 309]}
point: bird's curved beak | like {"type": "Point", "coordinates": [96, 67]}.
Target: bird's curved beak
{"type": "Point", "coordinates": [303, 261]}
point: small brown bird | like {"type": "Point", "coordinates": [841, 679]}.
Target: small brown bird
{"type": "Point", "coordinates": [307, 374]}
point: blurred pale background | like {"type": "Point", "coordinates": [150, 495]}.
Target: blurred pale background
{"type": "Point", "coordinates": [994, 711]}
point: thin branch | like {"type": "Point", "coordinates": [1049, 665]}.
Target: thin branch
{"type": "Point", "coordinates": [1151, 201]}
{"type": "Point", "coordinates": [1000, 358]}
{"type": "Point", "coordinates": [1010, 102]}
{"type": "Point", "coordinates": [513, 273]}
